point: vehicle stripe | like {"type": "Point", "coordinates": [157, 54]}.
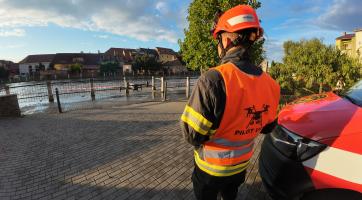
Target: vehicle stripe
{"type": "Point", "coordinates": [323, 181]}
{"type": "Point", "coordinates": [338, 163]}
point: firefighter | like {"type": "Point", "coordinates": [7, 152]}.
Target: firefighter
{"type": "Point", "coordinates": [229, 106]}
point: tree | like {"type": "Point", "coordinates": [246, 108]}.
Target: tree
{"type": "Point", "coordinates": [199, 49]}
{"type": "Point", "coordinates": [51, 66]}
{"type": "Point", "coordinates": [109, 67]}
{"type": "Point", "coordinates": [41, 67]}
{"type": "Point", "coordinates": [311, 66]}
{"type": "Point", "coordinates": [4, 74]}
{"type": "Point", "coordinates": [76, 68]}
{"type": "Point", "coordinates": [146, 62]}
{"type": "Point", "coordinates": [281, 73]}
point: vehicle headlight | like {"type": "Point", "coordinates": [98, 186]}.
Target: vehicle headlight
{"type": "Point", "coordinates": [294, 146]}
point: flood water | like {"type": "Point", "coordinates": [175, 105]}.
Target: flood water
{"type": "Point", "coordinates": [33, 96]}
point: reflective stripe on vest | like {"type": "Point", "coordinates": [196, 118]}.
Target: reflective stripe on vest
{"type": "Point", "coordinates": [198, 122]}
{"type": "Point", "coordinates": [217, 170]}
{"type": "Point", "coordinates": [251, 103]}
{"type": "Point", "coordinates": [225, 142]}
{"type": "Point", "coordinates": [228, 155]}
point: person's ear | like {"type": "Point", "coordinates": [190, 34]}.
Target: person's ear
{"type": "Point", "coordinates": [252, 36]}
{"type": "Point", "coordinates": [228, 42]}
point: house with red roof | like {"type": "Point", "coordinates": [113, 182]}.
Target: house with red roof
{"type": "Point", "coordinates": [351, 43]}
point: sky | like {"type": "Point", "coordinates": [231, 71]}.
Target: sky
{"type": "Point", "coordinates": [48, 26]}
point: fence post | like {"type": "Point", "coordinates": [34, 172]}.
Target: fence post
{"type": "Point", "coordinates": [162, 88]}
{"type": "Point", "coordinates": [120, 86]}
{"type": "Point", "coordinates": [93, 95]}
{"type": "Point", "coordinates": [188, 87]}
{"type": "Point", "coordinates": [165, 92]}
{"type": "Point", "coordinates": [127, 89]}
{"type": "Point", "coordinates": [58, 101]}
{"type": "Point", "coordinates": [7, 90]}
{"type": "Point", "coordinates": [153, 87]}
{"type": "Point", "coordinates": [50, 91]}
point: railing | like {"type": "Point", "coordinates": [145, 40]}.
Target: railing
{"type": "Point", "coordinates": [85, 93]}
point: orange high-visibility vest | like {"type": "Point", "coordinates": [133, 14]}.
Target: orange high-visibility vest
{"type": "Point", "coordinates": [251, 103]}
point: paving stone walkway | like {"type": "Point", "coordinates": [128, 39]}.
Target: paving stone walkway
{"type": "Point", "coordinates": [117, 152]}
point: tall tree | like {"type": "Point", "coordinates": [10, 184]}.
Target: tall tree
{"type": "Point", "coordinates": [75, 68]}
{"type": "Point", "coordinates": [3, 73]}
{"type": "Point", "coordinates": [146, 62]}
{"type": "Point", "coordinates": [109, 67]}
{"type": "Point", "coordinates": [199, 48]}
{"type": "Point", "coordinates": [312, 66]}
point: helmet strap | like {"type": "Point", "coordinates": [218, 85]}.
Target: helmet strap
{"type": "Point", "coordinates": [242, 40]}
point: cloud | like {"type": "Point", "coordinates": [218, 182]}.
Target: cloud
{"type": "Point", "coordinates": [306, 6]}
{"type": "Point", "coordinates": [12, 33]}
{"type": "Point", "coordinates": [102, 36]}
{"type": "Point", "coordinates": [274, 49]}
{"type": "Point", "coordinates": [162, 7]}
{"type": "Point", "coordinates": [129, 18]}
{"type": "Point", "coordinates": [14, 46]}
{"type": "Point", "coordinates": [342, 15]}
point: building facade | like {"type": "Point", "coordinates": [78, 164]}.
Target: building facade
{"type": "Point", "coordinates": [33, 64]}
{"type": "Point", "coordinates": [166, 55]}
{"type": "Point", "coordinates": [89, 62]}
{"type": "Point", "coordinates": [351, 44]}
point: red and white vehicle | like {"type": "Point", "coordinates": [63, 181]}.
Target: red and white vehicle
{"type": "Point", "coordinates": [315, 152]}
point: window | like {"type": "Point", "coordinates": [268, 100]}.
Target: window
{"type": "Point", "coordinates": [78, 60]}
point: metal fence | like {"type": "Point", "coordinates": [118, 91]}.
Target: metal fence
{"type": "Point", "coordinates": [90, 93]}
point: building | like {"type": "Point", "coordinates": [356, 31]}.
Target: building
{"type": "Point", "coordinates": [5, 64]}
{"type": "Point", "coordinates": [124, 56]}
{"type": "Point", "coordinates": [165, 54]}
{"type": "Point", "coordinates": [150, 52]}
{"type": "Point", "coordinates": [90, 62]}
{"type": "Point", "coordinates": [121, 55]}
{"type": "Point", "coordinates": [127, 69]}
{"type": "Point", "coordinates": [174, 67]}
{"type": "Point", "coordinates": [167, 57]}
{"type": "Point", "coordinates": [33, 64]}
{"type": "Point", "coordinates": [351, 43]}
{"type": "Point", "coordinates": [11, 67]}
{"type": "Point", "coordinates": [8, 69]}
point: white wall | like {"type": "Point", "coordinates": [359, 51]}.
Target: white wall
{"type": "Point", "coordinates": [359, 42]}
{"type": "Point", "coordinates": [24, 68]}
{"type": "Point", "coordinates": [127, 68]}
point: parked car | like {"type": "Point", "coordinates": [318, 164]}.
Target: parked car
{"type": "Point", "coordinates": [315, 152]}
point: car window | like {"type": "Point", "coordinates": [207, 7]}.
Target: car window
{"type": "Point", "coordinates": [355, 93]}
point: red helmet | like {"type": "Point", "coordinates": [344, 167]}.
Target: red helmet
{"type": "Point", "coordinates": [236, 19]}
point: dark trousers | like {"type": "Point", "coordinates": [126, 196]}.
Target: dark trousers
{"type": "Point", "coordinates": [207, 187]}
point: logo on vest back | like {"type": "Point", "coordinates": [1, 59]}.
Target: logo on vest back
{"type": "Point", "coordinates": [256, 119]}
